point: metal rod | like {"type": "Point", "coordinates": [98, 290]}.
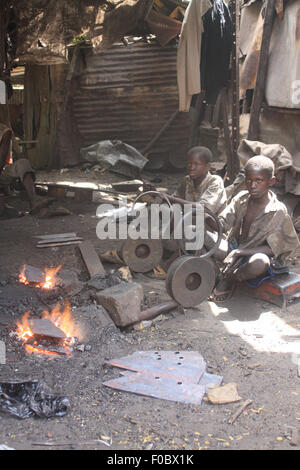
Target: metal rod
{"type": "Point", "coordinates": [153, 312]}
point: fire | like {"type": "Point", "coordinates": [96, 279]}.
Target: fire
{"type": "Point", "coordinates": [61, 317]}
{"type": "Point", "coordinates": [49, 278]}
{"type": "Point", "coordinates": [50, 274]}
{"type": "Point", "coordinates": [24, 332]}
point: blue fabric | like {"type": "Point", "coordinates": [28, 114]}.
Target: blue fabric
{"type": "Point", "coordinates": [257, 281]}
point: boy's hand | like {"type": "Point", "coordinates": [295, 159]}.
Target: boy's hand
{"type": "Point", "coordinates": [210, 222]}
{"type": "Point", "coordinates": [231, 259]}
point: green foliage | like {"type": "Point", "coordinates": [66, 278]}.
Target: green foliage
{"type": "Point", "coordinates": [80, 38]}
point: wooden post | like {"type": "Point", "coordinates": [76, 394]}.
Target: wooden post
{"type": "Point", "coordinates": [235, 114]}
{"type": "Point", "coordinates": [228, 141]}
{"type": "Point", "coordinates": [69, 139]}
{"type": "Point", "coordinates": [160, 132]}
{"type": "Point", "coordinates": [253, 131]}
{"type": "Point", "coordinates": [43, 95]}
{"type": "Point", "coordinates": [196, 120]}
{"type": "Point", "coordinates": [2, 36]}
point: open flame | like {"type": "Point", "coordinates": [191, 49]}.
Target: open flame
{"type": "Point", "coordinates": [61, 318]}
{"type": "Point", "coordinates": [49, 278]}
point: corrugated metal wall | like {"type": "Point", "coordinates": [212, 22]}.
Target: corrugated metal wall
{"type": "Point", "coordinates": [128, 94]}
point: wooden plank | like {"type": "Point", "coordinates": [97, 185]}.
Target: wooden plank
{"type": "Point", "coordinates": [91, 259]}
{"type": "Point", "coordinates": [227, 138]}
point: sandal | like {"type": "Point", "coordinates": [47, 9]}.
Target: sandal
{"type": "Point", "coordinates": [220, 296]}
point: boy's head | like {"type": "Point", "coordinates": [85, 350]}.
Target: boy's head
{"type": "Point", "coordinates": [198, 162]}
{"type": "Point", "coordinates": [259, 175]}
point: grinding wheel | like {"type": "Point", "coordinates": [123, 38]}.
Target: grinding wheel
{"type": "Point", "coordinates": [190, 280]}
{"type": "Point", "coordinates": [198, 253]}
{"type": "Point", "coordinates": [142, 255]}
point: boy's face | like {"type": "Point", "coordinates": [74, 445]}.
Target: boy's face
{"type": "Point", "coordinates": [197, 167]}
{"type": "Point", "coordinates": [258, 182]}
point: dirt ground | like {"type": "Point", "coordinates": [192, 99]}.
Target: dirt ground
{"type": "Point", "coordinates": [247, 341]}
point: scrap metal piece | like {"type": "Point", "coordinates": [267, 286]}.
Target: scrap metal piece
{"type": "Point", "coordinates": [190, 280]}
{"type": "Point", "coordinates": [142, 255]}
{"type": "Point", "coordinates": [33, 275]}
{"type": "Point", "coordinates": [2, 353]}
{"type": "Point", "coordinates": [187, 366]}
{"type": "Point", "coordinates": [169, 375]}
{"type": "Point", "coordinates": [156, 310]}
{"type": "Point", "coordinates": [45, 327]}
{"type": "Point", "coordinates": [279, 290]}
{"type": "Point", "coordinates": [208, 380]}
{"type": "Point", "coordinates": [159, 387]}
{"type": "Point", "coordinates": [40, 345]}
{"type": "Point", "coordinates": [127, 186]}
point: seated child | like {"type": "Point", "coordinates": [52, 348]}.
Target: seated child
{"type": "Point", "coordinates": [260, 233]}
{"type": "Point", "coordinates": [200, 185]}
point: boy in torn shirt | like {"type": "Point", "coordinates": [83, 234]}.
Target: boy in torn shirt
{"type": "Point", "coordinates": [200, 185]}
{"type": "Point", "coordinates": [260, 235]}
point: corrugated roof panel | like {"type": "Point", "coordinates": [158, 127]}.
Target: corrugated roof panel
{"type": "Point", "coordinates": [128, 94]}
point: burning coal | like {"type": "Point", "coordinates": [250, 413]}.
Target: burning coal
{"type": "Point", "coordinates": [54, 333]}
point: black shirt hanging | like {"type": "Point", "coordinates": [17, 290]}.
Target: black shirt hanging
{"type": "Point", "coordinates": [216, 50]}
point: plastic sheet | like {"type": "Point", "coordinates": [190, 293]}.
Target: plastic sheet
{"type": "Point", "coordinates": [32, 398]}
{"type": "Point", "coordinates": [116, 156]}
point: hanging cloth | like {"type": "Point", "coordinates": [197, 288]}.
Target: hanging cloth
{"type": "Point", "coordinates": [216, 50]}
{"type": "Point", "coordinates": [189, 52]}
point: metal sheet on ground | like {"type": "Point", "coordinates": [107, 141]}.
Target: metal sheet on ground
{"type": "Point", "coordinates": [159, 387]}
{"type": "Point", "coordinates": [169, 375]}
{"type": "Point", "coordinates": [188, 366]}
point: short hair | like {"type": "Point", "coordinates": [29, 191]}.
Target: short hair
{"type": "Point", "coordinates": [261, 163]}
{"type": "Point", "coordinates": [203, 152]}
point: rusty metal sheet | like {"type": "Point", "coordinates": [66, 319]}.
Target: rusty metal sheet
{"type": "Point", "coordinates": [168, 375]}
{"type": "Point", "coordinates": [207, 380]}
{"type": "Point", "coordinates": [159, 387]}
{"type": "Point", "coordinates": [188, 366]}
{"type": "Point", "coordinates": [128, 94]}
{"type": "Point", "coordinates": [45, 327]}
